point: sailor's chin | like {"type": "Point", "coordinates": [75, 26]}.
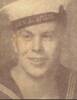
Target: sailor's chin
{"type": "Point", "coordinates": [36, 72]}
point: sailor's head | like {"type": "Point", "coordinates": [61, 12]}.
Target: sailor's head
{"type": "Point", "coordinates": [37, 31]}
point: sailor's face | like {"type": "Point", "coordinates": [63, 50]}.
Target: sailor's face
{"type": "Point", "coordinates": [38, 48]}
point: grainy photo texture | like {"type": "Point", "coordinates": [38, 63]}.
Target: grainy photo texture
{"type": "Point", "coordinates": [38, 49]}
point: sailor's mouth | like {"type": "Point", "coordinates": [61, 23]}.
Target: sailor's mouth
{"type": "Point", "coordinates": [37, 61]}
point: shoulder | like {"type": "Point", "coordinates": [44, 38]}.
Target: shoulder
{"type": "Point", "coordinates": [6, 93]}
{"type": "Point", "coordinates": [71, 92]}
{"type": "Point", "coordinates": [67, 80]}
{"type": "Point", "coordinates": [8, 88]}
{"type": "Point", "coordinates": [4, 96]}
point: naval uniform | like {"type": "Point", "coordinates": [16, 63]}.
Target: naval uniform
{"type": "Point", "coordinates": [62, 80]}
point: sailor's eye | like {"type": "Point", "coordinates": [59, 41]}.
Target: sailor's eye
{"type": "Point", "coordinates": [26, 34]}
{"type": "Point", "coordinates": [48, 35]}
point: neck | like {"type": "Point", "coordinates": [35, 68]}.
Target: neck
{"type": "Point", "coordinates": [33, 86]}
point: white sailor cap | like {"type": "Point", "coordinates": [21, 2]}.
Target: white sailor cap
{"type": "Point", "coordinates": [28, 12]}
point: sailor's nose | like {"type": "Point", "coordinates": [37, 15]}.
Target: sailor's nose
{"type": "Point", "coordinates": [37, 45]}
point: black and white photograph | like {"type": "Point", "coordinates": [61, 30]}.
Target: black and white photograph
{"type": "Point", "coordinates": [38, 49]}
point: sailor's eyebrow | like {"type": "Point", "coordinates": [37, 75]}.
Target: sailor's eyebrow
{"type": "Point", "coordinates": [48, 32]}
{"type": "Point", "coordinates": [24, 32]}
